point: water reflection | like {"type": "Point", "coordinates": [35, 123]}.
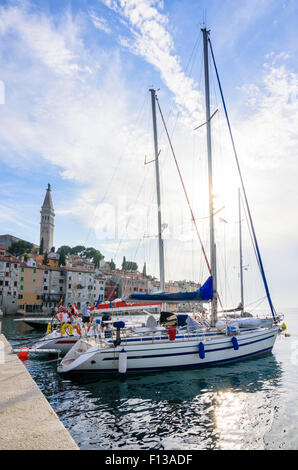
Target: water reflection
{"type": "Point", "coordinates": [195, 409]}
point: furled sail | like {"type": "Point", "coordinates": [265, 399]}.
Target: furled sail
{"type": "Point", "coordinates": [204, 293]}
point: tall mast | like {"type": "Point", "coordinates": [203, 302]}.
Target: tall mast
{"type": "Point", "coordinates": [240, 250]}
{"type": "Point", "coordinates": [209, 149]}
{"type": "Point", "coordinates": [160, 240]}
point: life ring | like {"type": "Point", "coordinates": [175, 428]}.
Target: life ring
{"type": "Point", "coordinates": [79, 331]}
{"type": "Point", "coordinates": [69, 326]}
{"type": "Point", "coordinates": [49, 328]}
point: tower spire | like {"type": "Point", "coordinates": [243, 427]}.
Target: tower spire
{"type": "Point", "coordinates": [47, 221]}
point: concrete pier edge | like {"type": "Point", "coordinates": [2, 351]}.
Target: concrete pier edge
{"type": "Point", "coordinates": [28, 422]}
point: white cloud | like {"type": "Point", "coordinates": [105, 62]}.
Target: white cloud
{"type": "Point", "coordinates": [72, 108]}
{"type": "Point", "coordinates": [100, 23]}
{"type": "Point", "coordinates": [152, 40]}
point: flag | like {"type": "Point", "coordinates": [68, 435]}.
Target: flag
{"type": "Point", "coordinates": [98, 301]}
{"type": "Point", "coordinates": [61, 301]}
{"type": "Point", "coordinates": [75, 308]}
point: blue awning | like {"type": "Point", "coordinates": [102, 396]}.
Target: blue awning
{"type": "Point", "coordinates": [204, 293]}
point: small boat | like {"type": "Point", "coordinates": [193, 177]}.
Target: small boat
{"type": "Point", "coordinates": [63, 336]}
{"type": "Point", "coordinates": [40, 324]}
{"type": "Point", "coordinates": [172, 343]}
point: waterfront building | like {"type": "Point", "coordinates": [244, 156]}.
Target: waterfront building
{"type": "Point", "coordinates": [30, 298]}
{"type": "Point", "coordinates": [71, 285]}
{"type": "Point", "coordinates": [111, 290]}
{"type": "Point", "coordinates": [9, 284]}
{"type": "Point", "coordinates": [47, 222]}
{"type": "Point", "coordinates": [53, 287]}
{"type": "Point", "coordinates": [80, 286]}
{"type": "Point", "coordinates": [130, 282]}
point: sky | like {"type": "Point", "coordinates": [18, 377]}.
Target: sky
{"type": "Point", "coordinates": [75, 112]}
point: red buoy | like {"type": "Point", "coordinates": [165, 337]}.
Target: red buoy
{"type": "Point", "coordinates": [23, 353]}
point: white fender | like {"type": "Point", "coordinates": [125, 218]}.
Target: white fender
{"type": "Point", "coordinates": [122, 365]}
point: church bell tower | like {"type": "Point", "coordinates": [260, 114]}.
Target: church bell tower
{"type": "Point", "coordinates": [47, 222]}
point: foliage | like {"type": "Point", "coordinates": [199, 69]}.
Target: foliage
{"type": "Point", "coordinates": [89, 253]}
{"type": "Point", "coordinates": [112, 265]}
{"type": "Point", "coordinates": [65, 249]}
{"type": "Point", "coordinates": [46, 259]}
{"type": "Point", "coordinates": [78, 250]}
{"type": "Point", "coordinates": [19, 248]}
{"type": "Point", "coordinates": [129, 265]}
{"type": "Point", "coordinates": [62, 258]}
{"type": "Point", "coordinates": [41, 247]}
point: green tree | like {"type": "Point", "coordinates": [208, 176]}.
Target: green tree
{"type": "Point", "coordinates": [62, 258]}
{"type": "Point", "coordinates": [46, 259]}
{"type": "Point", "coordinates": [129, 265]}
{"type": "Point", "coordinates": [19, 248]}
{"type": "Point", "coordinates": [112, 265]}
{"type": "Point", "coordinates": [65, 249]}
{"type": "Point", "coordinates": [144, 270]}
{"type": "Point", "coordinates": [94, 255]}
{"type": "Point", "coordinates": [41, 247]}
{"type": "Point", "coordinates": [78, 250]}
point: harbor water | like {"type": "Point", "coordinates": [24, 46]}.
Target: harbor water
{"type": "Point", "coordinates": [250, 404]}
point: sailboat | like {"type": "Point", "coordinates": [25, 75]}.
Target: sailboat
{"type": "Point", "coordinates": [178, 341]}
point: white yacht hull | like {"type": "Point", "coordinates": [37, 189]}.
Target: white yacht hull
{"type": "Point", "coordinates": [178, 354]}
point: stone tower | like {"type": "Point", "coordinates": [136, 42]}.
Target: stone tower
{"type": "Point", "coordinates": [47, 222]}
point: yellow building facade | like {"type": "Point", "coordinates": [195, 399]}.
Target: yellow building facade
{"type": "Point", "coordinates": [31, 288]}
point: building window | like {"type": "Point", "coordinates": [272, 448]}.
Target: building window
{"type": "Point", "coordinates": [6, 283]}
{"type": "Point", "coordinates": [34, 270]}
{"type": "Point", "coordinates": [7, 265]}
{"type": "Point", "coordinates": [16, 266]}
{"type": "Point", "coordinates": [34, 280]}
{"type": "Point", "coordinates": [21, 296]}
{"type": "Point", "coordinates": [22, 278]}
{"type": "Point", "coordinates": [69, 286]}
{"type": "Point", "coordinates": [22, 269]}
{"type": "Point", "coordinates": [45, 288]}
{"type": "Point", "coordinates": [22, 288]}
{"type": "Point", "coordinates": [15, 283]}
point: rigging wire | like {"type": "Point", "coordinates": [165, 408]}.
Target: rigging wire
{"type": "Point", "coordinates": [185, 193]}
{"type": "Point", "coordinates": [243, 189]}
{"type": "Point", "coordinates": [109, 185]}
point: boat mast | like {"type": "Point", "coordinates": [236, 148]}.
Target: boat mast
{"type": "Point", "coordinates": [160, 240]}
{"type": "Point", "coordinates": [209, 149]}
{"type": "Point", "coordinates": [241, 257]}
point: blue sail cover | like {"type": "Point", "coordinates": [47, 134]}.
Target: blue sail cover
{"type": "Point", "coordinates": [204, 293]}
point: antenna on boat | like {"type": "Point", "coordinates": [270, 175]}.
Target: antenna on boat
{"type": "Point", "coordinates": [156, 152]}
{"type": "Point", "coordinates": [209, 151]}
{"type": "Point", "coordinates": [240, 251]}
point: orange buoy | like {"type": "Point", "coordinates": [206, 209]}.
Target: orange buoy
{"type": "Point", "coordinates": [23, 353]}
